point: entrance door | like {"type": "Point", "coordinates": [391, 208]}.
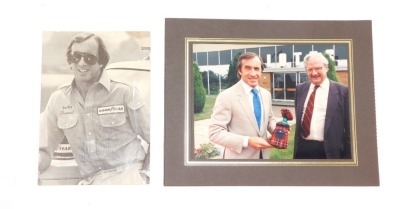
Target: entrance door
{"type": "Point", "coordinates": [284, 84]}
{"type": "Point", "coordinates": [290, 85]}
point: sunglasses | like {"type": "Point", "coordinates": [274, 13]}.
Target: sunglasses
{"type": "Point", "coordinates": [90, 59]}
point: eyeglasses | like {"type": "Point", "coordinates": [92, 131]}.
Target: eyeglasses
{"type": "Point", "coordinates": [309, 70]}
{"type": "Point", "coordinates": [90, 59]}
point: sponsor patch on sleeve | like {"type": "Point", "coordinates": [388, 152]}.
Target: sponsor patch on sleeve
{"type": "Point", "coordinates": [110, 109]}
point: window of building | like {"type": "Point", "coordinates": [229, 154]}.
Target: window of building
{"type": "Point", "coordinates": [254, 50]}
{"type": "Point", "coordinates": [286, 50]}
{"type": "Point", "coordinates": [279, 86]}
{"type": "Point", "coordinates": [303, 48]}
{"type": "Point", "coordinates": [290, 85]}
{"type": "Point", "coordinates": [341, 51]}
{"type": "Point", "coordinates": [236, 51]}
{"type": "Point", "coordinates": [322, 47]}
{"type": "Point", "coordinates": [225, 57]}
{"type": "Point", "coordinates": [302, 77]}
{"type": "Point", "coordinates": [284, 84]}
{"type": "Point", "coordinates": [213, 58]}
{"type": "Point", "coordinates": [202, 58]}
{"type": "Point", "coordinates": [268, 51]}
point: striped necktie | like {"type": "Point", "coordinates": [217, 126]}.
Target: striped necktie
{"type": "Point", "coordinates": [305, 125]}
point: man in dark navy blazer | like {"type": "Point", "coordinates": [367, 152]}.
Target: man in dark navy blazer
{"type": "Point", "coordinates": [327, 136]}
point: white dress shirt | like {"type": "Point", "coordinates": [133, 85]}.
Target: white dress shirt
{"type": "Point", "coordinates": [319, 113]}
{"type": "Point", "coordinates": [249, 94]}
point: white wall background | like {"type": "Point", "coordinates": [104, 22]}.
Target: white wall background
{"type": "Point", "coordinates": [22, 23]}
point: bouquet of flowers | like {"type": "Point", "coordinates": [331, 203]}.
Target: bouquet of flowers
{"type": "Point", "coordinates": [280, 137]}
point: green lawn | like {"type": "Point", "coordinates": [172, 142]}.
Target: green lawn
{"type": "Point", "coordinates": [277, 154]}
{"type": "Point", "coordinates": [207, 110]}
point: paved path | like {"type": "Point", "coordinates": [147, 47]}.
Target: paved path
{"type": "Point", "coordinates": [201, 126]}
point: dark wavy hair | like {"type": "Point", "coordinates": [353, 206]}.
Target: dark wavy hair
{"type": "Point", "coordinates": [104, 57]}
{"type": "Point", "coordinates": [245, 56]}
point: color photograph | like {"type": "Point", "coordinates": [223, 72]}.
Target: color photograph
{"type": "Point", "coordinates": [283, 102]}
{"type": "Point", "coordinates": [281, 69]}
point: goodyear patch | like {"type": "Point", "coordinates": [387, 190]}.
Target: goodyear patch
{"type": "Point", "coordinates": [110, 109]}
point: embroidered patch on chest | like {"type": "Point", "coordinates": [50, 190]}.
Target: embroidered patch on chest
{"type": "Point", "coordinates": [110, 109]}
{"type": "Point", "coordinates": [67, 109]}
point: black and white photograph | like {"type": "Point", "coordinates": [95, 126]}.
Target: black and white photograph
{"type": "Point", "coordinates": [95, 99]}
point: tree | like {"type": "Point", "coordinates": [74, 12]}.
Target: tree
{"type": "Point", "coordinates": [332, 70]}
{"type": "Point", "coordinates": [232, 73]}
{"type": "Point", "coordinates": [199, 91]}
{"type": "Point", "coordinates": [213, 80]}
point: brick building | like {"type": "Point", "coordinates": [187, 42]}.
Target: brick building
{"type": "Point", "coordinates": [284, 67]}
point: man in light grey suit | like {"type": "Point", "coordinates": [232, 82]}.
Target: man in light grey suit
{"type": "Point", "coordinates": [326, 135]}
{"type": "Point", "coordinates": [233, 121]}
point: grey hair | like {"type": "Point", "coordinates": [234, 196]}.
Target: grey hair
{"type": "Point", "coordinates": [318, 55]}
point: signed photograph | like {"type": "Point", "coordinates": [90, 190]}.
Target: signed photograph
{"type": "Point", "coordinates": [94, 116]}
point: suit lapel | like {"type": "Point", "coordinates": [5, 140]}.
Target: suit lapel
{"type": "Point", "coordinates": [333, 100]}
{"type": "Point", "coordinates": [265, 112]}
{"type": "Point", "coordinates": [303, 95]}
{"type": "Point", "coordinates": [244, 103]}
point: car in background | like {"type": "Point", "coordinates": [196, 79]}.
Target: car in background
{"type": "Point", "coordinates": [63, 169]}
{"type": "Point", "coordinates": [135, 73]}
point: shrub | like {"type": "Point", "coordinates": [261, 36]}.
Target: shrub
{"type": "Point", "coordinates": [206, 151]}
{"type": "Point", "coordinates": [232, 72]}
{"type": "Point", "coordinates": [332, 69]}
{"type": "Point", "coordinates": [199, 91]}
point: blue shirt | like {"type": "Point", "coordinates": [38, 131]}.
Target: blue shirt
{"type": "Point", "coordinates": [104, 130]}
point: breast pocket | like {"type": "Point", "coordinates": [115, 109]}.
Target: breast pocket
{"type": "Point", "coordinates": [112, 120]}
{"type": "Point", "coordinates": [67, 121]}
